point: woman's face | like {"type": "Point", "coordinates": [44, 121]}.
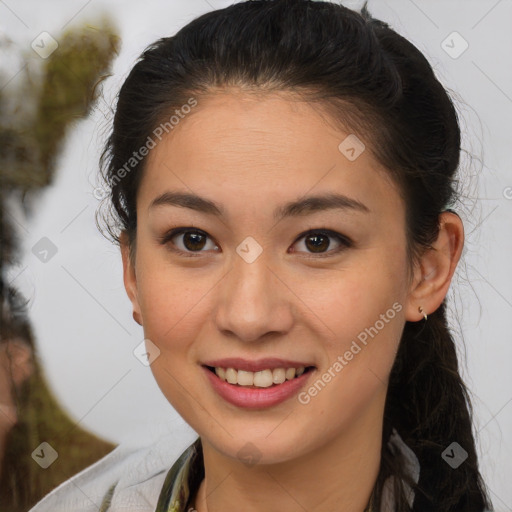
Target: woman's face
{"type": "Point", "coordinates": [254, 278]}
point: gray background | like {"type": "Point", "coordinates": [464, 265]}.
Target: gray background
{"type": "Point", "coordinates": [81, 315]}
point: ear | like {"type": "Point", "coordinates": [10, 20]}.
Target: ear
{"type": "Point", "coordinates": [19, 354]}
{"type": "Point", "coordinates": [433, 273]}
{"type": "Point", "coordinates": [129, 277]}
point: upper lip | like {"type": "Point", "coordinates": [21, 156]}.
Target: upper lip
{"type": "Point", "coordinates": [255, 365]}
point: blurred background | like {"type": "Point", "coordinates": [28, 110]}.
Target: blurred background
{"type": "Point", "coordinates": [54, 119]}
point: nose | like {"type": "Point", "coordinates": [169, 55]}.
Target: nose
{"type": "Point", "coordinates": [253, 302]}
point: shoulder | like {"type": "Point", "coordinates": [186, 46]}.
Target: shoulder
{"type": "Point", "coordinates": [128, 478]}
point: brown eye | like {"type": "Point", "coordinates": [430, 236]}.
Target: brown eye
{"type": "Point", "coordinates": [318, 242]}
{"type": "Point", "coordinates": [193, 241]}
{"type": "Point", "coordinates": [187, 240]}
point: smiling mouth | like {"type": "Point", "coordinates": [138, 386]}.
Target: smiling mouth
{"type": "Point", "coordinates": [262, 379]}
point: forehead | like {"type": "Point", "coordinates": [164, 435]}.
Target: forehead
{"type": "Point", "coordinates": [256, 150]}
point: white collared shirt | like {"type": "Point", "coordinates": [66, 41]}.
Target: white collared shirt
{"type": "Point", "coordinates": [128, 480]}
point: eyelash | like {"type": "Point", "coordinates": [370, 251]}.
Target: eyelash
{"type": "Point", "coordinates": [344, 241]}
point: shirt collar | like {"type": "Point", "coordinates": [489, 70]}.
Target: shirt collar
{"type": "Point", "coordinates": [182, 480]}
{"type": "Point", "coordinates": [185, 476]}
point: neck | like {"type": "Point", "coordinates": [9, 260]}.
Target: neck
{"type": "Point", "coordinates": [338, 475]}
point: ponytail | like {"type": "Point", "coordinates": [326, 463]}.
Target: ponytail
{"type": "Point", "coordinates": [428, 404]}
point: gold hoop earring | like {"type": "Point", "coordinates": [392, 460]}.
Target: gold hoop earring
{"type": "Point", "coordinates": [420, 309]}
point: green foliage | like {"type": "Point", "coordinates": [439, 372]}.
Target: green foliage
{"type": "Point", "coordinates": [31, 136]}
{"type": "Point", "coordinates": [71, 73]}
{"type": "Point", "coordinates": [64, 95]}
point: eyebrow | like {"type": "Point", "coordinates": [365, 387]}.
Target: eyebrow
{"type": "Point", "coordinates": [302, 206]}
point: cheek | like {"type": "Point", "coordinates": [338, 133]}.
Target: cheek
{"type": "Point", "coordinates": [366, 317]}
{"type": "Point", "coordinates": [361, 310]}
{"type": "Point", "coordinates": [173, 314]}
{"type": "Point", "coordinates": [356, 301]}
{"type": "Point", "coordinates": [169, 297]}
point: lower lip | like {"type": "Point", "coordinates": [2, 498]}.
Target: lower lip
{"type": "Point", "coordinates": [256, 398]}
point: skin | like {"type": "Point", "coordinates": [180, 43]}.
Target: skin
{"type": "Point", "coordinates": [251, 155]}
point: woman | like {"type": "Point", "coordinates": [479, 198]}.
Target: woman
{"type": "Point", "coordinates": [280, 173]}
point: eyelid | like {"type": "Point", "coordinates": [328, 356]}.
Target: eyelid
{"type": "Point", "coordinates": [345, 241]}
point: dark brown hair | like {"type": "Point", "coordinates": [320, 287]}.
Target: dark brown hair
{"type": "Point", "coordinates": [372, 80]}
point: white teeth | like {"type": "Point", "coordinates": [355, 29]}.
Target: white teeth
{"type": "Point", "coordinates": [278, 375]}
{"type": "Point", "coordinates": [261, 379]}
{"type": "Point", "coordinates": [232, 376]}
{"type": "Point", "coordinates": [290, 373]}
{"type": "Point", "coordinates": [246, 378]}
